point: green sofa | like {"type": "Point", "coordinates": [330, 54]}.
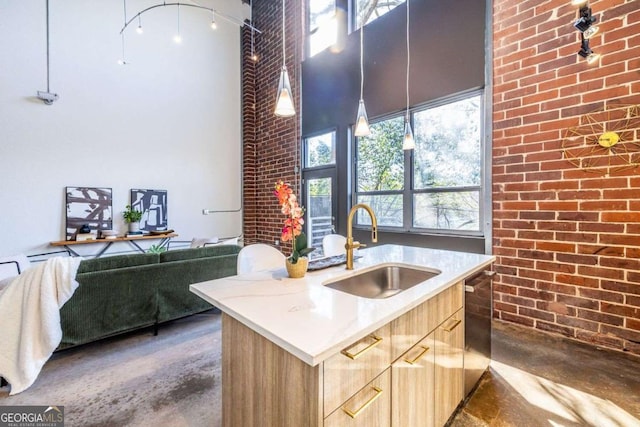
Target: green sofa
{"type": "Point", "coordinates": [126, 292]}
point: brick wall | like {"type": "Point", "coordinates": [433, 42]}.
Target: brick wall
{"type": "Point", "coordinates": [271, 144]}
{"type": "Point", "coordinates": [567, 241]}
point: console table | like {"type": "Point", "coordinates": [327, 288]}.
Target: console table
{"type": "Point", "coordinates": [106, 243]}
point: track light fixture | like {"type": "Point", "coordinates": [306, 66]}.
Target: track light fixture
{"type": "Point", "coordinates": [178, 36]}
{"type": "Point", "coordinates": [587, 53]}
{"type": "Point", "coordinates": [584, 24]}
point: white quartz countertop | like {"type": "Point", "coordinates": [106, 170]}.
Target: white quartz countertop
{"type": "Point", "coordinates": [314, 322]}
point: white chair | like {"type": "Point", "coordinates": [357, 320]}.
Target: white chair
{"type": "Point", "coordinates": [333, 244]}
{"type": "Point", "coordinates": [259, 257]}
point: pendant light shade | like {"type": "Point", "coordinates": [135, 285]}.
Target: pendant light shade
{"type": "Point", "coordinates": [362, 121]}
{"type": "Point", "coordinates": [408, 143]}
{"type": "Point", "coordinates": [284, 100]}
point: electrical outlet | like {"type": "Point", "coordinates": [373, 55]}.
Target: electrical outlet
{"type": "Point", "coordinates": [276, 242]}
{"type": "Point", "coordinates": [205, 211]}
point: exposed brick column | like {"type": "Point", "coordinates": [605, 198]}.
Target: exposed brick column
{"type": "Point", "coordinates": [271, 145]}
{"type": "Point", "coordinates": [567, 241]}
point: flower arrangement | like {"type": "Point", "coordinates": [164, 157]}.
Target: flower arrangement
{"type": "Point", "coordinates": [292, 229]}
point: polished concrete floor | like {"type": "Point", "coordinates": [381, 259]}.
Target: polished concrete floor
{"type": "Point", "coordinates": [537, 379]}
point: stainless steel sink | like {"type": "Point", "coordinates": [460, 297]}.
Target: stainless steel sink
{"type": "Point", "coordinates": [382, 282]}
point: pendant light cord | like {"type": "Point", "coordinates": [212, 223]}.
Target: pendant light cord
{"type": "Point", "coordinates": [408, 58]}
{"type": "Point", "coordinates": [361, 62]}
{"type": "Point", "coordinates": [283, 34]}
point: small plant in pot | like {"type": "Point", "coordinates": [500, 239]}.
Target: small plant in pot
{"type": "Point", "coordinates": [132, 217]}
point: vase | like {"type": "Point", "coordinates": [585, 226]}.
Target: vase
{"type": "Point", "coordinates": [298, 269]}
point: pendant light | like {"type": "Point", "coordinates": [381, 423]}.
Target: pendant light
{"type": "Point", "coordinates": [362, 121]}
{"type": "Point", "coordinates": [408, 143]}
{"type": "Point", "coordinates": [284, 99]}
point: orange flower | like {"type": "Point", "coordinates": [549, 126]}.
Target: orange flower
{"type": "Point", "coordinates": [290, 208]}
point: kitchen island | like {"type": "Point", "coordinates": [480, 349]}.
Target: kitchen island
{"type": "Point", "coordinates": [298, 353]}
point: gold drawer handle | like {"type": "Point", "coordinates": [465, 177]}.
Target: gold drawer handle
{"type": "Point", "coordinates": [418, 357]}
{"type": "Point", "coordinates": [355, 413]}
{"type": "Point", "coordinates": [453, 326]}
{"type": "Point", "coordinates": [354, 356]}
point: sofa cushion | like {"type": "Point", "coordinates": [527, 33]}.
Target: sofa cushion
{"type": "Point", "coordinates": [193, 253]}
{"type": "Point", "coordinates": [118, 261]}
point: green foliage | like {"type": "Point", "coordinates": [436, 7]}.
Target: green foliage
{"type": "Point", "coordinates": [131, 215]}
{"type": "Point", "coordinates": [300, 248]}
{"type": "Point", "coordinates": [156, 249]}
{"type": "Point", "coordinates": [381, 158]}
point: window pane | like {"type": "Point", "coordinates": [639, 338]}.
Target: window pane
{"type": "Point", "coordinates": [388, 209]}
{"type": "Point", "coordinates": [380, 157]}
{"type": "Point", "coordinates": [319, 216]}
{"type": "Point", "coordinates": [322, 25]}
{"type": "Point", "coordinates": [447, 211]}
{"type": "Point", "coordinates": [370, 10]}
{"type": "Point", "coordinates": [448, 149]}
{"type": "Point", "coordinates": [320, 150]}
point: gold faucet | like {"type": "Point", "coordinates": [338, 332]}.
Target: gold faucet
{"type": "Point", "coordinates": [351, 245]}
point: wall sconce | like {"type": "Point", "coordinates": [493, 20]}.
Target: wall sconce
{"type": "Point", "coordinates": [584, 24]}
{"type": "Point", "coordinates": [587, 53]}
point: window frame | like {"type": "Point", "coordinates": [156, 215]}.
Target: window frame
{"type": "Point", "coordinates": [408, 192]}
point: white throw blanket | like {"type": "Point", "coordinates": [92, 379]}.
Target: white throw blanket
{"type": "Point", "coordinates": [30, 319]}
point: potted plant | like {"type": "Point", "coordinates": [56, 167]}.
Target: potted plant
{"type": "Point", "coordinates": [132, 217]}
{"type": "Point", "coordinates": [297, 262]}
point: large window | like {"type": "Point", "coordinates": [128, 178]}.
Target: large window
{"type": "Point", "coordinates": [442, 190]}
{"type": "Point", "coordinates": [370, 10]}
{"type": "Point", "coordinates": [322, 27]}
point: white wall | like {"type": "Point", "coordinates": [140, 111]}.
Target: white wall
{"type": "Point", "coordinates": [170, 120]}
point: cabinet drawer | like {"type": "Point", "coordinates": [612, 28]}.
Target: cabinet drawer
{"type": "Point", "coordinates": [369, 407]}
{"type": "Point", "coordinates": [355, 366]}
{"type": "Point", "coordinates": [411, 327]}
{"type": "Point", "coordinates": [446, 303]}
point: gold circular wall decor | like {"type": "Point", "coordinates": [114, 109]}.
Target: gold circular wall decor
{"type": "Point", "coordinates": [607, 140]}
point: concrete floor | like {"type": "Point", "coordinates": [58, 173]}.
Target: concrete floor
{"type": "Point", "coordinates": [538, 379]}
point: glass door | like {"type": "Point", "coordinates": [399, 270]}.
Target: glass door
{"type": "Point", "coordinates": [319, 179]}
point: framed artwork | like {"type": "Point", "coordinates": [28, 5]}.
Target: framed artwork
{"type": "Point", "coordinates": [153, 205]}
{"type": "Point", "coordinates": [88, 206]}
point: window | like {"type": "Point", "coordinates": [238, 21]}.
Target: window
{"type": "Point", "coordinates": [323, 28]}
{"type": "Point", "coordinates": [442, 192]}
{"type": "Point", "coordinates": [370, 10]}
{"type": "Point", "coordinates": [320, 150]}
{"type": "Point", "coordinates": [320, 188]}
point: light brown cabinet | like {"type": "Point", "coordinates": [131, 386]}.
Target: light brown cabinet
{"type": "Point", "coordinates": [449, 364]}
{"type": "Point", "coordinates": [407, 373]}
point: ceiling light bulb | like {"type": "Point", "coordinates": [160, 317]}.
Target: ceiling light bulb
{"type": "Point", "coordinates": [122, 62]}
{"type": "Point", "coordinates": [139, 30]}
{"type": "Point", "coordinates": [254, 57]}
{"type": "Point", "coordinates": [213, 20]}
{"type": "Point", "coordinates": [177, 38]}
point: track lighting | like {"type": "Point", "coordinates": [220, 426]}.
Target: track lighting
{"type": "Point", "coordinates": [586, 20]}
{"type": "Point", "coordinates": [587, 53]}
{"type": "Point", "coordinates": [584, 24]}
{"type": "Point", "coordinates": [214, 25]}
